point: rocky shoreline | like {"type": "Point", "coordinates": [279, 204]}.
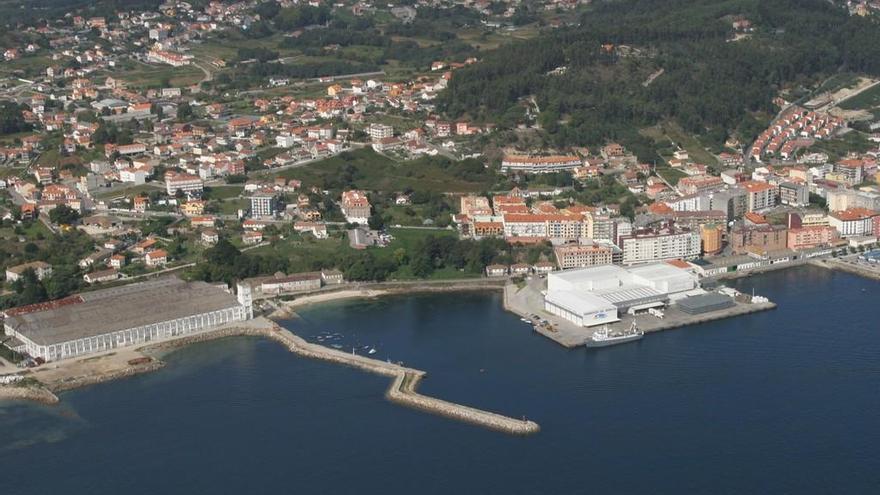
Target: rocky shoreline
{"type": "Point", "coordinates": [32, 393]}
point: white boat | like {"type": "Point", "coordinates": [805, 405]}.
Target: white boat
{"type": "Point", "coordinates": [372, 351]}
{"type": "Point", "coordinates": [605, 336]}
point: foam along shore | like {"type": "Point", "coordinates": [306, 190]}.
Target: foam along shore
{"type": "Point", "coordinates": [74, 373]}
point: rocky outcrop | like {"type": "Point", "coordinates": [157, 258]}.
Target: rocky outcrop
{"type": "Point", "coordinates": [34, 393]}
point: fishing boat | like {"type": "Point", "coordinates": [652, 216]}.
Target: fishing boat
{"type": "Point", "coordinates": [605, 337]}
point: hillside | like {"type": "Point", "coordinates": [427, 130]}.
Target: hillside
{"type": "Point", "coordinates": [715, 79]}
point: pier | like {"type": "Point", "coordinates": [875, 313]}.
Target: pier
{"type": "Point", "coordinates": [74, 373]}
{"type": "Point", "coordinates": [403, 388]}
{"type": "Point", "coordinates": [527, 300]}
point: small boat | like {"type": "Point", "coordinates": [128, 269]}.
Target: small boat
{"type": "Point", "coordinates": [604, 337]}
{"type": "Point", "coordinates": [372, 350]}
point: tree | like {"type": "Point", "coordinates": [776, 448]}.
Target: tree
{"type": "Point", "coordinates": [184, 112]}
{"type": "Point", "coordinates": [375, 221]}
{"type": "Point", "coordinates": [29, 288]}
{"type": "Point", "coordinates": [63, 215]}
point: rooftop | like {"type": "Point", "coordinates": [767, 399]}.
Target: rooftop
{"type": "Point", "coordinates": [104, 311]}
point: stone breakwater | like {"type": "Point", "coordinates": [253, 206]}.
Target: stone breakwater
{"type": "Point", "coordinates": [83, 381]}
{"type": "Point", "coordinates": [28, 392]}
{"type": "Point", "coordinates": [401, 391]}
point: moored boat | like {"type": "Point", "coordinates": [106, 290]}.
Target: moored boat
{"type": "Point", "coordinates": [605, 336]}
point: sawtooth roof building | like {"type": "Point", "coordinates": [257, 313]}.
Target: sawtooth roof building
{"type": "Point", "coordinates": [595, 296]}
{"type": "Point", "coordinates": [106, 319]}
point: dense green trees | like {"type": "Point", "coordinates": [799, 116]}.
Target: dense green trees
{"type": "Point", "coordinates": [63, 215]}
{"type": "Point", "coordinates": [63, 251]}
{"type": "Point", "coordinates": [11, 118]}
{"type": "Point", "coordinates": [224, 262]}
{"type": "Point", "coordinates": [710, 85]}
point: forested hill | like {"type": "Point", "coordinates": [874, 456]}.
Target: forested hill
{"type": "Point", "coordinates": [711, 85]}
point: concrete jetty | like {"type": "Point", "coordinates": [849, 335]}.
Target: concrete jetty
{"type": "Point", "coordinates": [403, 388]}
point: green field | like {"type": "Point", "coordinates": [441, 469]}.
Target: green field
{"type": "Point", "coordinates": [306, 252]}
{"type": "Point", "coordinates": [223, 192]}
{"type": "Point", "coordinates": [231, 206]}
{"type": "Point", "coordinates": [672, 133]}
{"type": "Point", "coordinates": [836, 149]}
{"type": "Point", "coordinates": [141, 75]}
{"type": "Point", "coordinates": [865, 100]}
{"type": "Point", "coordinates": [670, 174]}
{"type": "Point", "coordinates": [365, 169]}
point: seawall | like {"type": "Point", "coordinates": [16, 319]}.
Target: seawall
{"type": "Point", "coordinates": [835, 264]}
{"type": "Point", "coordinates": [401, 391]}
{"type": "Point", "coordinates": [86, 380]}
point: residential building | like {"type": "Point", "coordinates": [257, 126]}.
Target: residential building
{"type": "Point", "coordinates": [263, 203]}
{"type": "Point", "coordinates": [355, 206]}
{"type": "Point", "coordinates": [41, 270]}
{"type": "Point", "coordinates": [581, 256]}
{"type": "Point", "coordinates": [758, 239]}
{"type": "Point", "coordinates": [156, 258]}
{"type": "Point", "coordinates": [539, 164]}
{"type": "Point", "coordinates": [853, 222]}
{"type": "Point", "coordinates": [647, 245]}
{"type": "Point", "coordinates": [794, 194]}
{"type": "Point", "coordinates": [759, 195]}
{"type": "Point", "coordinates": [712, 235]}
{"type": "Point", "coordinates": [812, 237]}
{"type": "Point", "coordinates": [378, 132]}
{"type": "Point", "coordinates": [843, 199]}
{"type": "Point", "coordinates": [699, 184]}
{"type": "Point", "coordinates": [187, 183]}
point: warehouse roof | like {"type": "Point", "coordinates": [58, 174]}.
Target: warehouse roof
{"type": "Point", "coordinates": [119, 308]}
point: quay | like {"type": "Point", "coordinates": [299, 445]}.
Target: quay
{"type": "Point", "coordinates": [849, 264]}
{"type": "Point", "coordinates": [529, 300]}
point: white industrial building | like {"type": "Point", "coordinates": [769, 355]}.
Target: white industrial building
{"type": "Point", "coordinates": [596, 295]}
{"type": "Point", "coordinates": [132, 314]}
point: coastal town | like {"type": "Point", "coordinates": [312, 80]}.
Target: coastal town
{"type": "Point", "coordinates": [171, 171]}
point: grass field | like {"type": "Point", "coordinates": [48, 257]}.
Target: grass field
{"type": "Point", "coordinates": [670, 174]}
{"type": "Point", "coordinates": [838, 148]}
{"type": "Point", "coordinates": [372, 171]}
{"type": "Point", "coordinates": [131, 190]}
{"type": "Point", "coordinates": [669, 133]}
{"type": "Point", "coordinates": [302, 252]}
{"type": "Point", "coordinates": [407, 239]}
{"type": "Point", "coordinates": [141, 75]}
{"type": "Point", "coordinates": [231, 206]}
{"type": "Point", "coordinates": [305, 252]}
{"type": "Point", "coordinates": [865, 100]}
{"type": "Point", "coordinates": [223, 192]}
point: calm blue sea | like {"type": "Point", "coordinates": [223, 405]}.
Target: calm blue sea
{"type": "Point", "coordinates": [784, 401]}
